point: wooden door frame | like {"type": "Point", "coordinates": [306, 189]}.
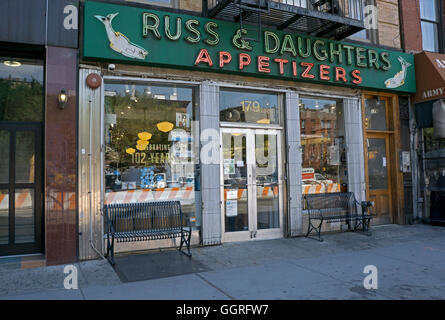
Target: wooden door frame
{"type": "Point", "coordinates": [389, 169]}
{"type": "Point", "coordinates": [393, 132]}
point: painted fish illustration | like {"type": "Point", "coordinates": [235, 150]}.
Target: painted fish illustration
{"type": "Point", "coordinates": [399, 79]}
{"type": "Point", "coordinates": [119, 42]}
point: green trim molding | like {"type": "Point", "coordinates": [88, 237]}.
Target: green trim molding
{"type": "Point", "coordinates": [131, 35]}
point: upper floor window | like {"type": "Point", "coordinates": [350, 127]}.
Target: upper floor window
{"type": "Point", "coordinates": [357, 11]}
{"type": "Point", "coordinates": [429, 15]}
{"type": "Point", "coordinates": [166, 3]}
{"type": "Point", "coordinates": [298, 3]}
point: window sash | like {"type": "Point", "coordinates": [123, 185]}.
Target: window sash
{"type": "Point", "coordinates": [165, 3]}
{"type": "Point", "coordinates": [429, 10]}
{"type": "Point", "coordinates": [430, 36]}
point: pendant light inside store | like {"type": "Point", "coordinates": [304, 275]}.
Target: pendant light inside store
{"type": "Point", "coordinates": [13, 64]}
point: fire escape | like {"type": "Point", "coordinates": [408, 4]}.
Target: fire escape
{"type": "Point", "coordinates": [331, 19]}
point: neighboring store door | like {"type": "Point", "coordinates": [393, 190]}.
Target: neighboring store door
{"type": "Point", "coordinates": [20, 188]}
{"type": "Point", "coordinates": [379, 136]}
{"type": "Point", "coordinates": [379, 176]}
{"type": "Point", "coordinates": [252, 190]}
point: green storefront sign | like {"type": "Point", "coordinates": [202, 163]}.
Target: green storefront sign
{"type": "Point", "coordinates": [133, 35]}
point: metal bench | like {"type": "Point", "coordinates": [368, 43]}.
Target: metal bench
{"type": "Point", "coordinates": [145, 221]}
{"type": "Point", "coordinates": [337, 207]}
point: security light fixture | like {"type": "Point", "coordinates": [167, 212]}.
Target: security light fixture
{"type": "Point", "coordinates": [62, 99]}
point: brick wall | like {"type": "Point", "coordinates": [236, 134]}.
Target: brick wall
{"type": "Point", "coordinates": [191, 5]}
{"type": "Point", "coordinates": [388, 23]}
{"type": "Point", "coordinates": [443, 25]}
{"type": "Point", "coordinates": [410, 25]}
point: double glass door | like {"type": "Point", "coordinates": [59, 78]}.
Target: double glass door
{"type": "Point", "coordinates": [20, 188]}
{"type": "Point", "coordinates": [252, 184]}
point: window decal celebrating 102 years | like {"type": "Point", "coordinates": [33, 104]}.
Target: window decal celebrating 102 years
{"type": "Point", "coordinates": [140, 36]}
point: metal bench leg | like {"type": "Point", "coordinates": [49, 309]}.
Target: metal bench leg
{"type": "Point", "coordinates": [110, 250]}
{"type": "Point", "coordinates": [358, 223]}
{"type": "Point", "coordinates": [366, 223]}
{"type": "Point", "coordinates": [312, 227]}
{"type": "Point", "coordinates": [187, 243]}
{"type": "Point", "coordinates": [363, 226]}
{"type": "Point", "coordinates": [319, 231]}
{"type": "Point", "coordinates": [108, 245]}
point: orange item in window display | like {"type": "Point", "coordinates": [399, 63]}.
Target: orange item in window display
{"type": "Point", "coordinates": [130, 151]}
{"type": "Point", "coordinates": [142, 143]}
{"type": "Point", "coordinates": [144, 135]}
{"type": "Point", "coordinates": [165, 126]}
{"type": "Point", "coordinates": [141, 147]}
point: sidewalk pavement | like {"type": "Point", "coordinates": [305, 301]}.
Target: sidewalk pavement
{"type": "Point", "coordinates": [410, 261]}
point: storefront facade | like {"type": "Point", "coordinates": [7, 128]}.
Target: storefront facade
{"type": "Point", "coordinates": [429, 104]}
{"type": "Point", "coordinates": [180, 107]}
{"type": "Point", "coordinates": [38, 198]}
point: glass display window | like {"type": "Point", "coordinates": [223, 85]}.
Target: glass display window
{"type": "Point", "coordinates": [324, 167]}
{"type": "Point", "coordinates": [21, 89]}
{"type": "Point", "coordinates": [151, 152]}
{"type": "Point", "coordinates": [250, 107]}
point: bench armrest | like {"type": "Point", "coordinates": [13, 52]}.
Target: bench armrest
{"type": "Point", "coordinates": [315, 213]}
{"type": "Point", "coordinates": [109, 224]}
{"type": "Point", "coordinates": [366, 206]}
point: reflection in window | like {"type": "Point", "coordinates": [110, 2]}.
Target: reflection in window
{"type": "Point", "coordinates": [323, 147]}
{"type": "Point", "coordinates": [434, 157]}
{"type": "Point", "coordinates": [375, 114]}
{"type": "Point", "coordinates": [168, 3]}
{"type": "Point", "coordinates": [151, 152]}
{"type": "Point", "coordinates": [248, 106]}
{"type": "Point", "coordinates": [429, 14]}
{"type": "Point", "coordinates": [4, 159]}
{"type": "Point", "coordinates": [4, 216]}
{"type": "Point", "coordinates": [24, 216]}
{"type": "Point", "coordinates": [235, 181]}
{"type": "Point", "coordinates": [434, 147]}
{"type": "Point", "coordinates": [21, 90]}
{"type": "Point", "coordinates": [24, 157]}
{"type": "Point", "coordinates": [377, 164]}
{"type": "Point", "coordinates": [266, 170]}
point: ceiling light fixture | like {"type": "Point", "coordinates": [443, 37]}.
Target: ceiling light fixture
{"type": "Point", "coordinates": [13, 64]}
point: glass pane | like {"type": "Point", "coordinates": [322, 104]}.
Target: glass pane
{"type": "Point", "coordinates": [4, 159]}
{"type": "Point", "coordinates": [21, 90]}
{"type": "Point", "coordinates": [157, 2]}
{"type": "Point", "coordinates": [4, 216]}
{"type": "Point", "coordinates": [24, 216]}
{"type": "Point", "coordinates": [377, 164]}
{"type": "Point", "coordinates": [151, 145]}
{"type": "Point", "coordinates": [428, 10]}
{"type": "Point", "coordinates": [323, 145]}
{"type": "Point", "coordinates": [430, 38]}
{"type": "Point", "coordinates": [363, 34]}
{"type": "Point", "coordinates": [24, 157]}
{"type": "Point", "coordinates": [375, 113]}
{"type": "Point", "coordinates": [434, 147]}
{"type": "Point", "coordinates": [251, 107]}
{"type": "Point", "coordinates": [267, 181]}
{"type": "Point", "coordinates": [235, 182]}
{"type": "Point", "coordinates": [355, 9]}
{"type": "Point", "coordinates": [297, 3]}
